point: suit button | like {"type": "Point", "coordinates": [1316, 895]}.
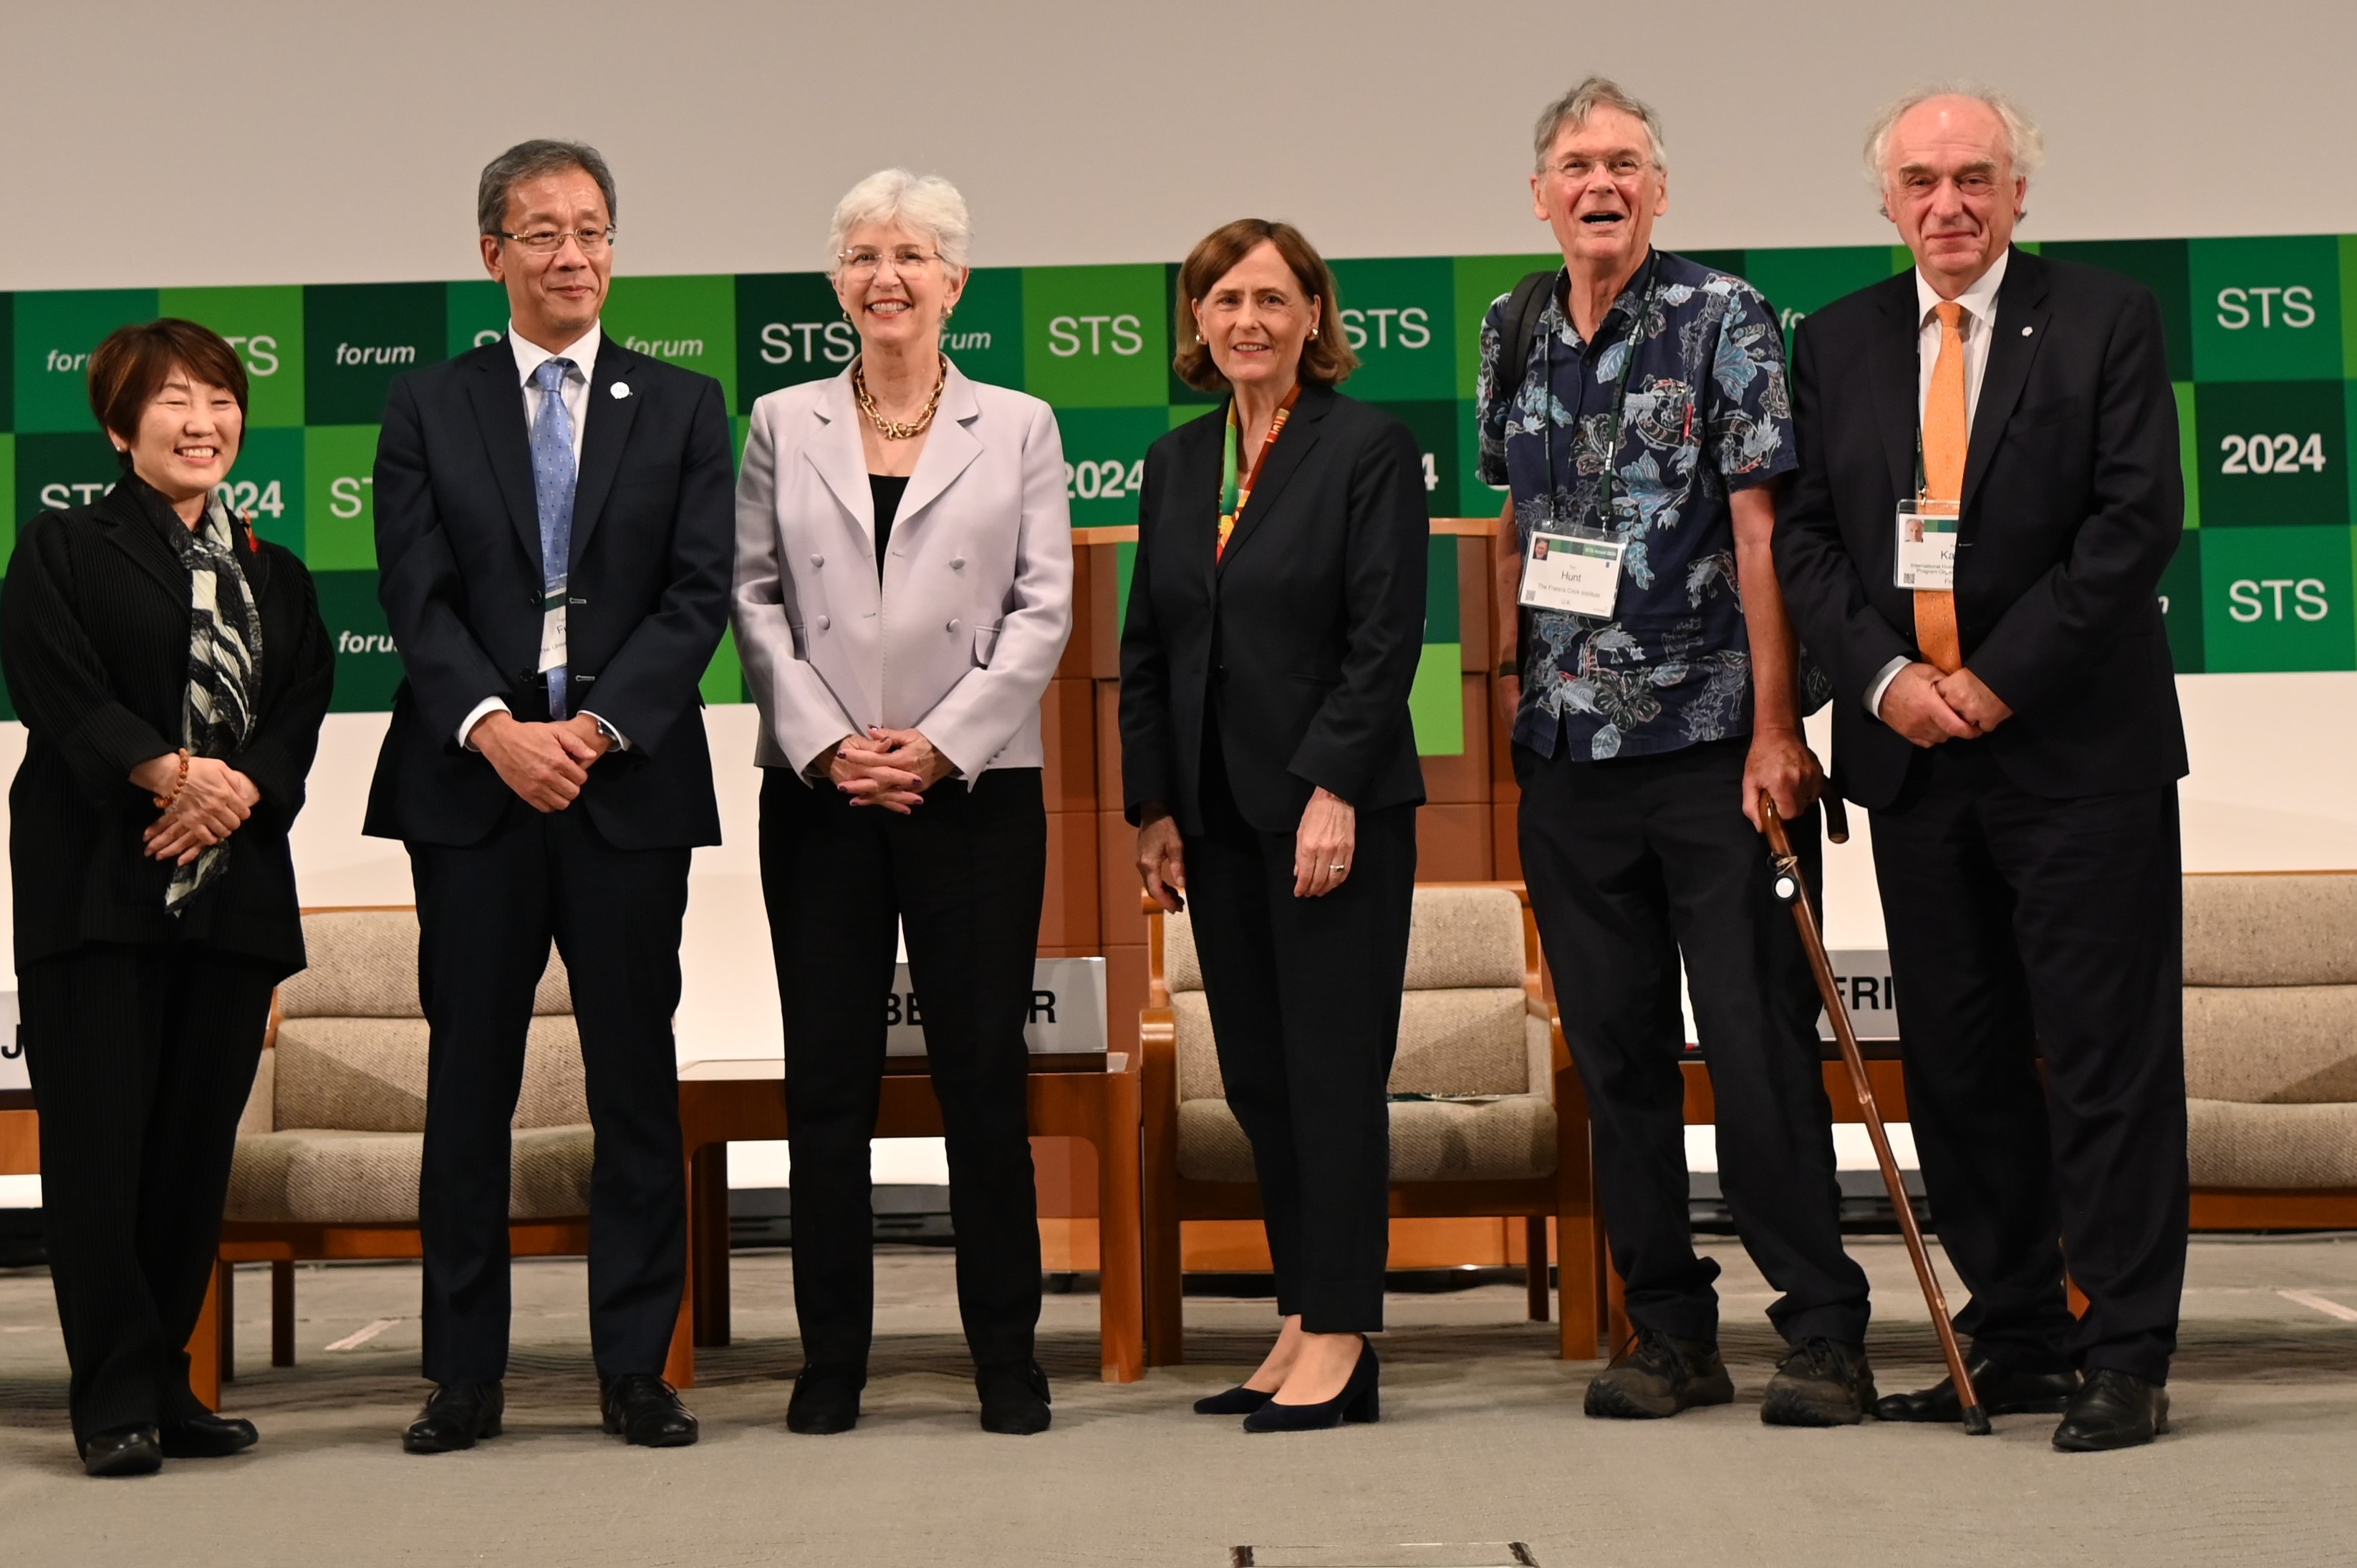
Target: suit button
{"type": "Point", "coordinates": [818, 560]}
{"type": "Point", "coordinates": [957, 562]}
{"type": "Point", "coordinates": [822, 623]}
{"type": "Point", "coordinates": [951, 629]}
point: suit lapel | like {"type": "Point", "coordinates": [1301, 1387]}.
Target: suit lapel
{"type": "Point", "coordinates": [1897, 383]}
{"type": "Point", "coordinates": [605, 430]}
{"type": "Point", "coordinates": [498, 392]}
{"type": "Point", "coordinates": [1293, 443]}
{"type": "Point", "coordinates": [2019, 332]}
{"type": "Point", "coordinates": [1192, 513]}
{"type": "Point", "coordinates": [133, 532]}
{"type": "Point", "coordinates": [834, 450]}
{"type": "Point", "coordinates": [950, 447]}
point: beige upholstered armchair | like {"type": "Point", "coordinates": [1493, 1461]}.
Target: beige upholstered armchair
{"type": "Point", "coordinates": [2271, 1049]}
{"type": "Point", "coordinates": [1496, 1124]}
{"type": "Point", "coordinates": [330, 1149]}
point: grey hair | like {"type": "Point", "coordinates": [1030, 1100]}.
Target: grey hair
{"type": "Point", "coordinates": [1573, 108]}
{"type": "Point", "coordinates": [926, 203]}
{"type": "Point", "coordinates": [2026, 144]}
{"type": "Point", "coordinates": [533, 160]}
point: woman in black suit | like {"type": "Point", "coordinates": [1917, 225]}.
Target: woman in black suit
{"type": "Point", "coordinates": [1275, 618]}
{"type": "Point", "coordinates": [172, 674]}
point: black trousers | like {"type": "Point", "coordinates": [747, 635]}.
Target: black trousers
{"type": "Point", "coordinates": [1630, 863]}
{"type": "Point", "coordinates": [142, 1058]}
{"type": "Point", "coordinates": [2022, 926]}
{"type": "Point", "coordinates": [486, 915]}
{"type": "Point", "coordinates": [962, 877]}
{"type": "Point", "coordinates": [1305, 1000]}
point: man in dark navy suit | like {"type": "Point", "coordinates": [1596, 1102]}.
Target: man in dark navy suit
{"type": "Point", "coordinates": [554, 529]}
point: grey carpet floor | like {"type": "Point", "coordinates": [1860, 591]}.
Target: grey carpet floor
{"type": "Point", "coordinates": [1481, 1440]}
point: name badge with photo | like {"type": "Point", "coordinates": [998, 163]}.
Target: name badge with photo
{"type": "Point", "coordinates": [1925, 553]}
{"type": "Point", "coordinates": [1580, 572]}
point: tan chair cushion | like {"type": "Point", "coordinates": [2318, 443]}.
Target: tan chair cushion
{"type": "Point", "coordinates": [1458, 939]}
{"type": "Point", "coordinates": [1506, 1139]}
{"type": "Point", "coordinates": [363, 965]}
{"type": "Point", "coordinates": [368, 1075]}
{"type": "Point", "coordinates": [1450, 1042]}
{"type": "Point", "coordinates": [2245, 1146]}
{"type": "Point", "coordinates": [2283, 1045]}
{"type": "Point", "coordinates": [2271, 931]}
{"type": "Point", "coordinates": [371, 1178]}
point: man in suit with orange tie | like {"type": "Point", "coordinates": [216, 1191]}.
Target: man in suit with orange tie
{"type": "Point", "coordinates": [1988, 492]}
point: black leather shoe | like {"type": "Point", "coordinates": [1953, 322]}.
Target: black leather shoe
{"type": "Point", "coordinates": [1655, 1376]}
{"type": "Point", "coordinates": [206, 1437]}
{"type": "Point", "coordinates": [126, 1451]}
{"type": "Point", "coordinates": [1360, 1400]}
{"type": "Point", "coordinates": [2113, 1410]}
{"type": "Point", "coordinates": [1014, 1398]}
{"type": "Point", "coordinates": [826, 1400]}
{"type": "Point", "coordinates": [644, 1410]}
{"type": "Point", "coordinates": [2001, 1391]}
{"type": "Point", "coordinates": [1237, 1401]}
{"type": "Point", "coordinates": [1820, 1383]}
{"type": "Point", "coordinates": [456, 1415]}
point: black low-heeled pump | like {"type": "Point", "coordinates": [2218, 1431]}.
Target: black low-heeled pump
{"type": "Point", "coordinates": [1237, 1401]}
{"type": "Point", "coordinates": [1360, 1400]}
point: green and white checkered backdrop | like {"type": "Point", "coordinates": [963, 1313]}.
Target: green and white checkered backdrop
{"type": "Point", "coordinates": [2262, 347]}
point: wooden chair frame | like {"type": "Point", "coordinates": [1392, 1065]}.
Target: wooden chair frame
{"type": "Point", "coordinates": [1567, 1196]}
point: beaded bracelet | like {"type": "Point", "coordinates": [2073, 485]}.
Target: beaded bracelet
{"type": "Point", "coordinates": [179, 782]}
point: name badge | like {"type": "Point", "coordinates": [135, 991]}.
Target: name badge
{"type": "Point", "coordinates": [1580, 572]}
{"type": "Point", "coordinates": [1924, 552]}
{"type": "Point", "coordinates": [551, 628]}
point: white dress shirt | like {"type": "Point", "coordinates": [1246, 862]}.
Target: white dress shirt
{"type": "Point", "coordinates": [529, 357]}
{"type": "Point", "coordinates": [1978, 328]}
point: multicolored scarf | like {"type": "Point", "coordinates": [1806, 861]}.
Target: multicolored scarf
{"type": "Point", "coordinates": [225, 665]}
{"type": "Point", "coordinates": [1233, 496]}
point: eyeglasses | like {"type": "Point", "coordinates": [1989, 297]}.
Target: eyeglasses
{"type": "Point", "coordinates": [864, 262]}
{"type": "Point", "coordinates": [1623, 168]}
{"type": "Point", "coordinates": [548, 241]}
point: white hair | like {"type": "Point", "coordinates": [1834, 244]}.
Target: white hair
{"type": "Point", "coordinates": [2026, 145]}
{"type": "Point", "coordinates": [1573, 108]}
{"type": "Point", "coordinates": [926, 203]}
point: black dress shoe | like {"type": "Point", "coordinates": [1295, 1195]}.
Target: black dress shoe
{"type": "Point", "coordinates": [1237, 1401]}
{"type": "Point", "coordinates": [826, 1400]}
{"type": "Point", "coordinates": [2002, 1392]}
{"type": "Point", "coordinates": [455, 1416]}
{"type": "Point", "coordinates": [1360, 1400]}
{"type": "Point", "coordinates": [126, 1451]}
{"type": "Point", "coordinates": [1014, 1398]}
{"type": "Point", "coordinates": [646, 1410]}
{"type": "Point", "coordinates": [1820, 1383]}
{"type": "Point", "coordinates": [206, 1437]}
{"type": "Point", "coordinates": [2113, 1410]}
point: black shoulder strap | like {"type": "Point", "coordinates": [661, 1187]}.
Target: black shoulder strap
{"type": "Point", "coordinates": [1523, 309]}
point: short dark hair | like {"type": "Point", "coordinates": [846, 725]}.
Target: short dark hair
{"type": "Point", "coordinates": [531, 160]}
{"type": "Point", "coordinates": [1325, 359]}
{"type": "Point", "coordinates": [132, 365]}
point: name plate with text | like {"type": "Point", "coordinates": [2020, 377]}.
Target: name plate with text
{"type": "Point", "coordinates": [1864, 976]}
{"type": "Point", "coordinates": [1067, 1016]}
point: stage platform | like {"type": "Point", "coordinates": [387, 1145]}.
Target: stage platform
{"type": "Point", "coordinates": [1483, 1440]}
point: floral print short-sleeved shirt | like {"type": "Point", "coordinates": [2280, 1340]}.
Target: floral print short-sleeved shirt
{"type": "Point", "coordinates": [1707, 413]}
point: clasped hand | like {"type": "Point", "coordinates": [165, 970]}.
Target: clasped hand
{"type": "Point", "coordinates": [212, 802]}
{"type": "Point", "coordinates": [546, 763]}
{"type": "Point", "coordinates": [892, 769]}
{"type": "Point", "coordinates": [1930, 708]}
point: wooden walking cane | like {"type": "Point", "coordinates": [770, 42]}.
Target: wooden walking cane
{"type": "Point", "coordinates": [1792, 889]}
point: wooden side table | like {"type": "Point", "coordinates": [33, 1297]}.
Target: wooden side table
{"type": "Point", "coordinates": [1090, 1097]}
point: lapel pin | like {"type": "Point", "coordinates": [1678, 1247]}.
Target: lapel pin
{"type": "Point", "coordinates": [619, 388]}
{"type": "Point", "coordinates": [2025, 332]}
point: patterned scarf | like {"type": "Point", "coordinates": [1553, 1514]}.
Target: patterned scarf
{"type": "Point", "coordinates": [225, 665]}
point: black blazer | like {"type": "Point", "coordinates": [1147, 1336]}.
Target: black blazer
{"type": "Point", "coordinates": [94, 637]}
{"type": "Point", "coordinates": [458, 550]}
{"type": "Point", "coordinates": [2074, 501]}
{"type": "Point", "coordinates": [1309, 627]}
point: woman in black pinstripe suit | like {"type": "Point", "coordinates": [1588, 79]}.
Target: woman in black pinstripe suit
{"type": "Point", "coordinates": [172, 674]}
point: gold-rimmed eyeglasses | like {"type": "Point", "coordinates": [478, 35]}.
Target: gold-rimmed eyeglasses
{"type": "Point", "coordinates": [865, 262]}
{"type": "Point", "coordinates": [548, 241]}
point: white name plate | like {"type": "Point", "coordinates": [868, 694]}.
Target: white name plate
{"type": "Point", "coordinates": [1863, 975]}
{"type": "Point", "coordinates": [12, 1049]}
{"type": "Point", "coordinates": [1066, 1016]}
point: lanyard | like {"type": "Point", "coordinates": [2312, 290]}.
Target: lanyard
{"type": "Point", "coordinates": [1619, 401]}
{"type": "Point", "coordinates": [1234, 496]}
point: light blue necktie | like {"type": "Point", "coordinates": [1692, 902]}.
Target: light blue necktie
{"type": "Point", "coordinates": [552, 481]}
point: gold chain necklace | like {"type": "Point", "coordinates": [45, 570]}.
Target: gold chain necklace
{"type": "Point", "coordinates": [893, 429]}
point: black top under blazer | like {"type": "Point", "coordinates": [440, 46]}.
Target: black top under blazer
{"type": "Point", "coordinates": [2074, 503]}
{"type": "Point", "coordinates": [458, 550]}
{"type": "Point", "coordinates": [94, 637]}
{"type": "Point", "coordinates": [1309, 627]}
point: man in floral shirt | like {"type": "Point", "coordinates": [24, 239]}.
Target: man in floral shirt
{"type": "Point", "coordinates": [1650, 707]}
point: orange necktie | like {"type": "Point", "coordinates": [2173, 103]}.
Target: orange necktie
{"type": "Point", "coordinates": [1945, 433]}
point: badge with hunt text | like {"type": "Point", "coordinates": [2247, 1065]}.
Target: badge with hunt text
{"type": "Point", "coordinates": [1576, 571]}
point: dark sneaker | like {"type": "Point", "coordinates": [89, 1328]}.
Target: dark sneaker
{"type": "Point", "coordinates": [1655, 1376]}
{"type": "Point", "coordinates": [1820, 1383]}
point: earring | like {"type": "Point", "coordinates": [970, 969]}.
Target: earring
{"type": "Point", "coordinates": [948, 311]}
{"type": "Point", "coordinates": [1313, 332]}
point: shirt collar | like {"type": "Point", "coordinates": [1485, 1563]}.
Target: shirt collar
{"type": "Point", "coordinates": [530, 356]}
{"type": "Point", "coordinates": [1623, 304]}
{"type": "Point", "coordinates": [1979, 301]}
